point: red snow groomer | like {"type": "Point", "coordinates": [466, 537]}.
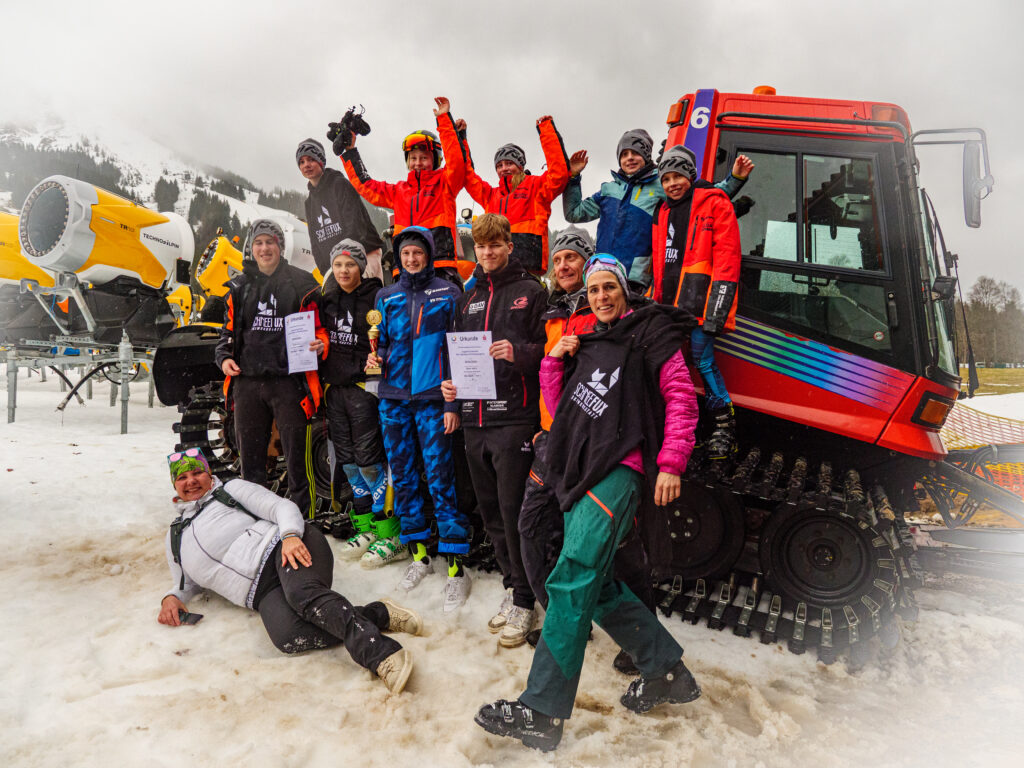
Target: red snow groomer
{"type": "Point", "coordinates": [843, 370]}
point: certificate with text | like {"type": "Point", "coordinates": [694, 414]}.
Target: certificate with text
{"type": "Point", "coordinates": [472, 365]}
{"type": "Point", "coordinates": [299, 331]}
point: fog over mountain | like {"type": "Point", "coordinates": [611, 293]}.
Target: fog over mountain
{"type": "Point", "coordinates": [237, 85]}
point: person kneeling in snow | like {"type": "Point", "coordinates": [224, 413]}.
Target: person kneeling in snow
{"type": "Point", "coordinates": [252, 547]}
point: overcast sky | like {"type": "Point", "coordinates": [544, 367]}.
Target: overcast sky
{"type": "Point", "coordinates": [237, 84]}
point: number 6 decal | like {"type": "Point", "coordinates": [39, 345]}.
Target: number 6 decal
{"type": "Point", "coordinates": [700, 117]}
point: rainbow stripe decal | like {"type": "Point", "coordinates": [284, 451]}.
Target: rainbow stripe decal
{"type": "Point", "coordinates": [819, 365]}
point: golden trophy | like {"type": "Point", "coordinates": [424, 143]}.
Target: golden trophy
{"type": "Point", "coordinates": [373, 317]}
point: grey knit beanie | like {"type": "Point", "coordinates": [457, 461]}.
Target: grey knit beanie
{"type": "Point", "coordinates": [311, 148]}
{"type": "Point", "coordinates": [639, 141]}
{"type": "Point", "coordinates": [511, 152]}
{"type": "Point", "coordinates": [573, 239]}
{"type": "Point", "coordinates": [353, 250]}
{"type": "Point", "coordinates": [263, 227]}
{"type": "Point", "coordinates": [678, 159]}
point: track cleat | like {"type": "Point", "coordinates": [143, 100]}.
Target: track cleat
{"type": "Point", "coordinates": [797, 643]}
{"type": "Point", "coordinates": [517, 721]}
{"type": "Point", "coordinates": [676, 686]}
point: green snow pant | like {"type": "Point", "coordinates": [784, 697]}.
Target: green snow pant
{"type": "Point", "coordinates": [581, 589]}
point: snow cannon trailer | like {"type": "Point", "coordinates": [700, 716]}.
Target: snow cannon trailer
{"type": "Point", "coordinates": [113, 261]}
{"type": "Point", "coordinates": [842, 368]}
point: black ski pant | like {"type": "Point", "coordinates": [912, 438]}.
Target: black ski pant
{"type": "Point", "coordinates": [499, 460]}
{"type": "Point", "coordinates": [302, 613]}
{"type": "Point", "coordinates": [541, 531]}
{"type": "Point", "coordinates": [259, 402]}
{"type": "Point", "coordinates": [354, 428]}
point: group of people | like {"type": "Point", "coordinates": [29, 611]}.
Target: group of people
{"type": "Point", "coordinates": [591, 428]}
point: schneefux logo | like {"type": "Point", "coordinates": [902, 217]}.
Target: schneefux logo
{"type": "Point", "coordinates": [325, 217]}
{"type": "Point", "coordinates": [597, 381]}
{"type": "Point", "coordinates": [268, 307]}
{"type": "Point", "coordinates": [344, 324]}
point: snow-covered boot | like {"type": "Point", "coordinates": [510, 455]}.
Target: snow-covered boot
{"type": "Point", "coordinates": [676, 686]}
{"type": "Point", "coordinates": [722, 443]}
{"type": "Point", "coordinates": [517, 721]}
{"type": "Point", "coordinates": [354, 548]}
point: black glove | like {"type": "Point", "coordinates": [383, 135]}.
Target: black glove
{"type": "Point", "coordinates": [340, 138]}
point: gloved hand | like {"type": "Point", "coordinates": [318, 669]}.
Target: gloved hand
{"type": "Point", "coordinates": [340, 138]}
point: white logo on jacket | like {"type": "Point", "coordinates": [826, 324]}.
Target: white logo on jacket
{"type": "Point", "coordinates": [589, 396]}
{"type": "Point", "coordinates": [266, 316]}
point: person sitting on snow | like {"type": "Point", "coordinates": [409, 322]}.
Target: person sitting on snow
{"type": "Point", "coordinates": [253, 548]}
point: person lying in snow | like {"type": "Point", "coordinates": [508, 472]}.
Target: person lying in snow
{"type": "Point", "coordinates": [252, 547]}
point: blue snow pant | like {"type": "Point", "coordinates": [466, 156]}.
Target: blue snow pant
{"type": "Point", "coordinates": [418, 425]}
{"type": "Point", "coordinates": [582, 589]}
{"type": "Point", "coordinates": [702, 348]}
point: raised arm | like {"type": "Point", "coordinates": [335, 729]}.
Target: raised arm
{"type": "Point", "coordinates": [556, 176]}
{"type": "Point", "coordinates": [454, 161]}
{"type": "Point", "coordinates": [377, 193]}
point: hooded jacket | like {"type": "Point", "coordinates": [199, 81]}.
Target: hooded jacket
{"type": "Point", "coordinates": [253, 334]}
{"type": "Point", "coordinates": [425, 198]}
{"type": "Point", "coordinates": [528, 206]}
{"type": "Point", "coordinates": [225, 549]}
{"type": "Point", "coordinates": [341, 325]}
{"type": "Point", "coordinates": [510, 303]}
{"type": "Point", "coordinates": [626, 206]}
{"type": "Point", "coordinates": [612, 403]}
{"type": "Point", "coordinates": [334, 212]}
{"type": "Point", "coordinates": [416, 311]}
{"type": "Point", "coordinates": [697, 255]}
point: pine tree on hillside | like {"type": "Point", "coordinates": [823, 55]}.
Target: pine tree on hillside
{"type": "Point", "coordinates": [165, 193]}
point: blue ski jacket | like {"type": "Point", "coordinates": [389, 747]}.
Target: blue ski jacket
{"type": "Point", "coordinates": [625, 206]}
{"type": "Point", "coordinates": [417, 311]}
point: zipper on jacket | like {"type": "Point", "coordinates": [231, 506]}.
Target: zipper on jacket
{"type": "Point", "coordinates": [487, 320]}
{"type": "Point", "coordinates": [693, 235]}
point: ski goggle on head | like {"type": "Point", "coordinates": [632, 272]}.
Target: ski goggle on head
{"type": "Point", "coordinates": [605, 262]}
{"type": "Point", "coordinates": [189, 460]}
{"type": "Point", "coordinates": [414, 140]}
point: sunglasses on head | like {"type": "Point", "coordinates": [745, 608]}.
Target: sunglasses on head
{"type": "Point", "coordinates": [192, 453]}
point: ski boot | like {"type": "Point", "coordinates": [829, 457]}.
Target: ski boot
{"type": "Point", "coordinates": [354, 548]}
{"type": "Point", "coordinates": [722, 443]}
{"type": "Point", "coordinates": [676, 686]}
{"type": "Point", "coordinates": [517, 721]}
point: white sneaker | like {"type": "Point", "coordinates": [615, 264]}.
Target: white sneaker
{"type": "Point", "coordinates": [415, 573]}
{"type": "Point", "coordinates": [520, 622]}
{"type": "Point", "coordinates": [499, 619]}
{"type": "Point", "coordinates": [384, 551]}
{"type": "Point", "coordinates": [354, 547]}
{"type": "Point", "coordinates": [456, 591]}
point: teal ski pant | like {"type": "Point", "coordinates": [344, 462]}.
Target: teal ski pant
{"type": "Point", "coordinates": [581, 589]}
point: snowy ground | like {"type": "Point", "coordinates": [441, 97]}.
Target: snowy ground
{"type": "Point", "coordinates": [91, 679]}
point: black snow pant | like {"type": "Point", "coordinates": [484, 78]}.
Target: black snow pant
{"type": "Point", "coordinates": [541, 530]}
{"type": "Point", "coordinates": [302, 613]}
{"type": "Point", "coordinates": [499, 460]}
{"type": "Point", "coordinates": [354, 428]}
{"type": "Point", "coordinates": [259, 402]}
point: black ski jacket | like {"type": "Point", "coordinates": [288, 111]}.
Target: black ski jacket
{"type": "Point", "coordinates": [511, 304]}
{"type": "Point", "coordinates": [334, 211]}
{"type": "Point", "coordinates": [341, 324]}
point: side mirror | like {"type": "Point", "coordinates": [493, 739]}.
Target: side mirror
{"type": "Point", "coordinates": [944, 288]}
{"type": "Point", "coordinates": [976, 186]}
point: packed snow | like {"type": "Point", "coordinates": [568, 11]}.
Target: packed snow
{"type": "Point", "coordinates": [91, 679]}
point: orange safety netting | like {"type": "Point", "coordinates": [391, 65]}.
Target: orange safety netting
{"type": "Point", "coordinates": [969, 428]}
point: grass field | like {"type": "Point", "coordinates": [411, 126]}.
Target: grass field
{"type": "Point", "coordinates": [996, 381]}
